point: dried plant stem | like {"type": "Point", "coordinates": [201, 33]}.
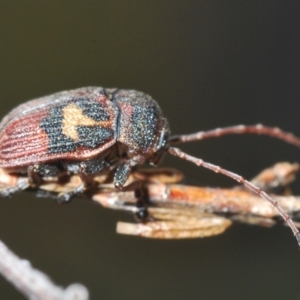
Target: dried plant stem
{"type": "Point", "coordinates": [252, 187]}
{"type": "Point", "coordinates": [34, 284]}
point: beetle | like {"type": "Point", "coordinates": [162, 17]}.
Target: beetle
{"type": "Point", "coordinates": [91, 130]}
{"type": "Point", "coordinates": [83, 131]}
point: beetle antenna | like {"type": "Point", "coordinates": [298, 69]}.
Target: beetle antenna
{"type": "Point", "coordinates": [237, 129]}
{"type": "Point", "coordinates": [201, 163]}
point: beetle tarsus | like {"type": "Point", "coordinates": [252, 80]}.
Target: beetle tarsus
{"type": "Point", "coordinates": [7, 191]}
{"type": "Point", "coordinates": [66, 197]}
{"type": "Point", "coordinates": [142, 214]}
{"type": "Point", "coordinates": [141, 194]}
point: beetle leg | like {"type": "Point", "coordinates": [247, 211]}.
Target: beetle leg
{"type": "Point", "coordinates": [85, 177]}
{"type": "Point", "coordinates": [121, 175]}
{"type": "Point", "coordinates": [34, 177]}
{"type": "Point", "coordinates": [94, 166]}
{"type": "Point", "coordinates": [89, 168]}
{"type": "Point", "coordinates": [86, 171]}
{"type": "Point", "coordinates": [142, 199]}
{"type": "Point", "coordinates": [37, 171]}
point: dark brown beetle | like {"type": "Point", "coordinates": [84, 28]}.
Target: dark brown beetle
{"type": "Point", "coordinates": [83, 131]}
{"type": "Point", "coordinates": [91, 130]}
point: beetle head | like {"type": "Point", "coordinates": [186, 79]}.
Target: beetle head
{"type": "Point", "coordinates": [162, 145]}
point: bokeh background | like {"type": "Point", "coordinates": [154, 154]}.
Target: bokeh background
{"type": "Point", "coordinates": [209, 64]}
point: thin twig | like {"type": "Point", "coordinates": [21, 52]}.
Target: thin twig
{"type": "Point", "coordinates": [34, 284]}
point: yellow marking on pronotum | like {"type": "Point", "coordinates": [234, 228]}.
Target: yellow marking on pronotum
{"type": "Point", "coordinates": [73, 116]}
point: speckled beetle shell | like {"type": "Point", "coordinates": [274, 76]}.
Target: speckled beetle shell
{"type": "Point", "coordinates": [82, 124]}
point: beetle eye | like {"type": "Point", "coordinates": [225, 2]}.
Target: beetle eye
{"type": "Point", "coordinates": [164, 137]}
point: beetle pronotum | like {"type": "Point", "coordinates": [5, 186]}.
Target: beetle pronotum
{"type": "Point", "coordinates": [91, 130]}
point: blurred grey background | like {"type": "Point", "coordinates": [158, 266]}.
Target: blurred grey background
{"type": "Point", "coordinates": [209, 64]}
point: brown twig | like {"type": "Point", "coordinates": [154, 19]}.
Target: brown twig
{"type": "Point", "coordinates": [176, 211]}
